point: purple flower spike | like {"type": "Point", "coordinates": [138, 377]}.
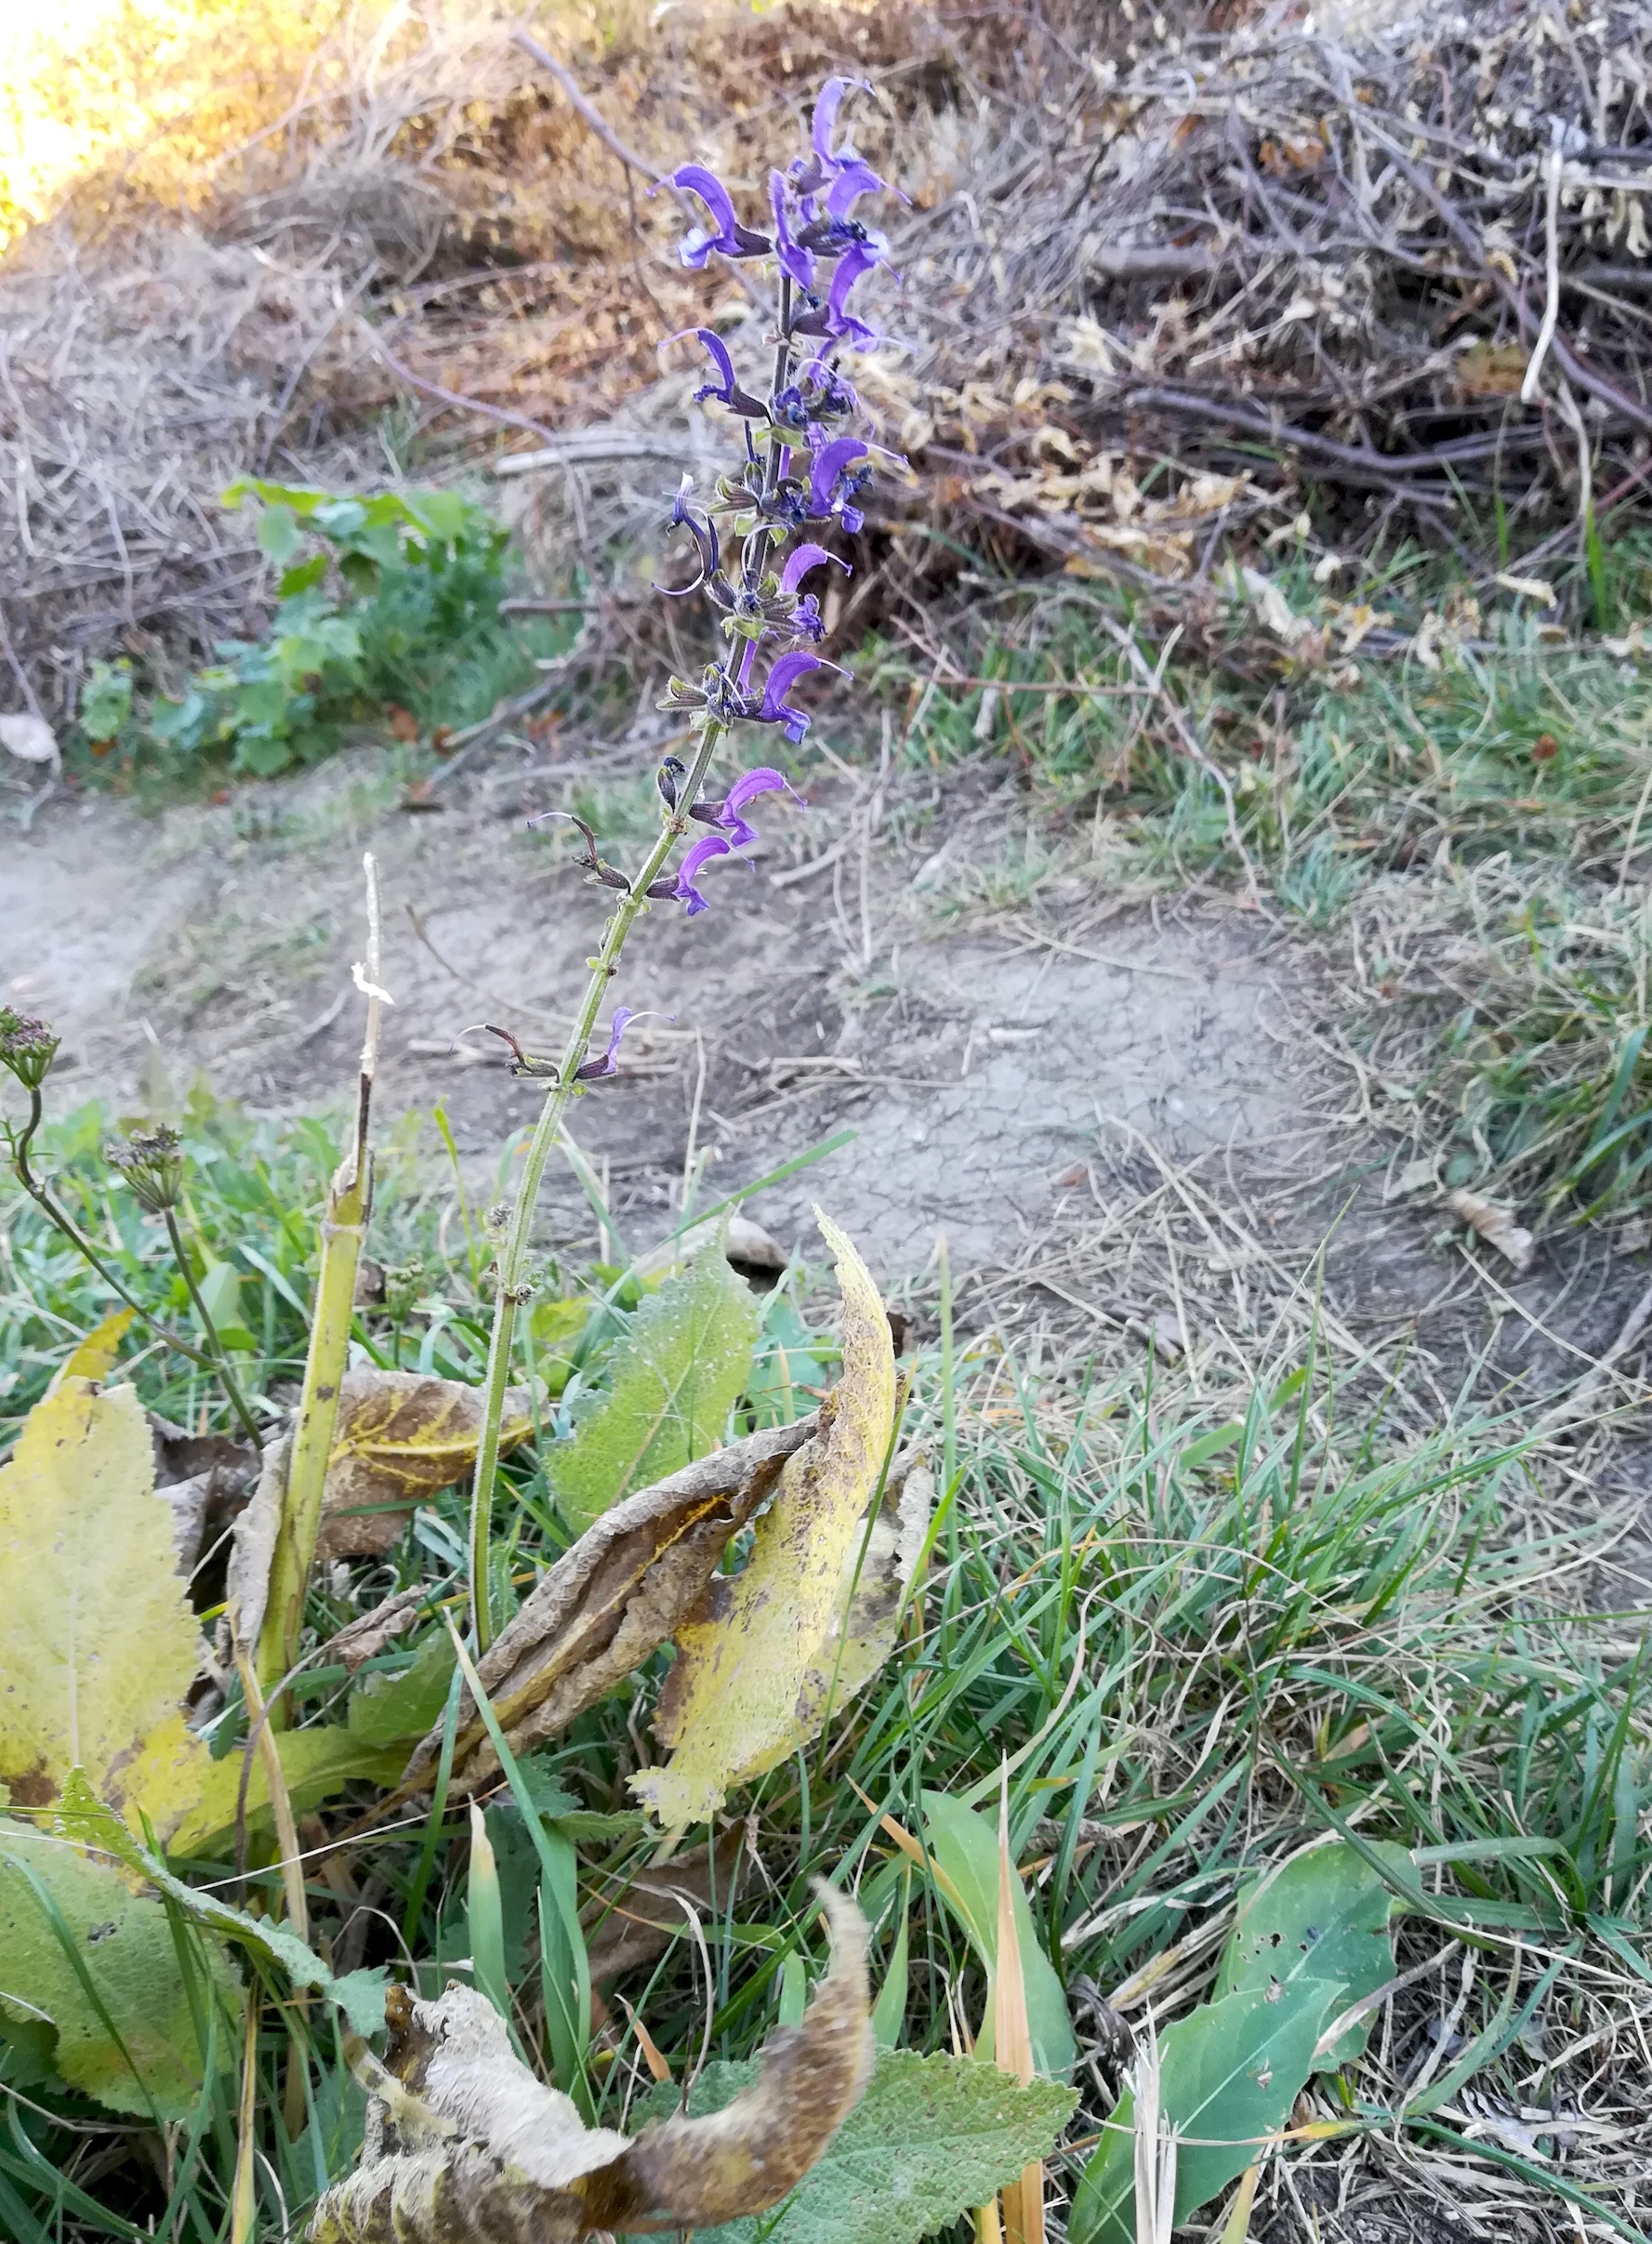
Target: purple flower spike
{"type": "Point", "coordinates": [825, 119]}
{"type": "Point", "coordinates": [697, 857]}
{"type": "Point", "coordinates": [726, 235]}
{"type": "Point", "coordinates": [795, 262]}
{"type": "Point", "coordinates": [804, 558]}
{"type": "Point", "coordinates": [726, 389]}
{"type": "Point", "coordinates": [783, 674]}
{"type": "Point", "coordinates": [765, 780]}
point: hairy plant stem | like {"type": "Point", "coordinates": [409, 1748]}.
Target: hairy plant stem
{"type": "Point", "coordinates": [512, 1285]}
{"type": "Point", "coordinates": [511, 1281]}
{"type": "Point", "coordinates": [212, 1357]}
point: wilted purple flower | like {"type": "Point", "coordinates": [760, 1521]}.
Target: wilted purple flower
{"type": "Point", "coordinates": [834, 319]}
{"type": "Point", "coordinates": [727, 235]}
{"type": "Point", "coordinates": [795, 262]}
{"type": "Point", "coordinates": [704, 535]}
{"type": "Point", "coordinates": [836, 483]}
{"type": "Point", "coordinates": [806, 407]}
{"type": "Point", "coordinates": [607, 1065]}
{"type": "Point", "coordinates": [784, 673]}
{"type": "Point", "coordinates": [699, 855]}
{"type": "Point", "coordinates": [727, 390]}
{"type": "Point", "coordinates": [764, 780]}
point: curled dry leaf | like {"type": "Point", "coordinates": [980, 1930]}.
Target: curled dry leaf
{"type": "Point", "coordinates": [465, 2147]}
{"type": "Point", "coordinates": [1496, 1226]}
{"type": "Point", "coordinates": [616, 1597]}
{"type": "Point", "coordinates": [374, 1632]}
{"type": "Point", "coordinates": [400, 1438]}
{"type": "Point", "coordinates": [206, 1478]}
{"type": "Point", "coordinates": [745, 1685]}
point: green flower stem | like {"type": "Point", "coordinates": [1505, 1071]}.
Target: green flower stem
{"type": "Point", "coordinates": [512, 1285]}
{"type": "Point", "coordinates": [20, 1141]}
{"type": "Point", "coordinates": [512, 1282]}
{"type": "Point", "coordinates": [214, 1347]}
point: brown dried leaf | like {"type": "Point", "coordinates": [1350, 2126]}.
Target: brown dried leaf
{"type": "Point", "coordinates": [365, 1637]}
{"type": "Point", "coordinates": [616, 1597]}
{"type": "Point", "coordinates": [631, 1927]}
{"type": "Point", "coordinates": [400, 1438]}
{"type": "Point", "coordinates": [1496, 1226]}
{"type": "Point", "coordinates": [463, 2142]}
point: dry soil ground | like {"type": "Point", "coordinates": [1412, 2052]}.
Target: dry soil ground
{"type": "Point", "coordinates": [1124, 1123]}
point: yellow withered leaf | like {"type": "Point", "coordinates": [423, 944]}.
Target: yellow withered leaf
{"type": "Point", "coordinates": [94, 1358]}
{"type": "Point", "coordinates": [743, 1693]}
{"type": "Point", "coordinates": [100, 1643]}
{"type": "Point", "coordinates": [401, 1437]}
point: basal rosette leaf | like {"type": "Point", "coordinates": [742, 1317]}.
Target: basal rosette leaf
{"type": "Point", "coordinates": [673, 1379]}
{"type": "Point", "coordinates": [101, 1644]}
{"type": "Point", "coordinates": [80, 1950]}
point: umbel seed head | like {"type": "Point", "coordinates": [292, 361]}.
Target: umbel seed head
{"type": "Point", "coordinates": [152, 1162]}
{"type": "Point", "coordinates": [27, 1047]}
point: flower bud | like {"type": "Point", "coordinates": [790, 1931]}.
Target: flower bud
{"type": "Point", "coordinates": [152, 1162]}
{"type": "Point", "coordinates": [27, 1047]}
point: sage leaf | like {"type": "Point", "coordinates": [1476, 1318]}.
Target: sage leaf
{"type": "Point", "coordinates": [673, 1379]}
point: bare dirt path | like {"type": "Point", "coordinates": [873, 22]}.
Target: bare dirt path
{"type": "Point", "coordinates": [1125, 1129]}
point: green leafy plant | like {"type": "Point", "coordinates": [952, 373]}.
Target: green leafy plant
{"type": "Point", "coordinates": [379, 601]}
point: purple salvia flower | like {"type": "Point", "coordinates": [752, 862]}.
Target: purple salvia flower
{"type": "Point", "coordinates": [795, 262]}
{"type": "Point", "coordinates": [727, 390]}
{"type": "Point", "coordinates": [727, 235]}
{"type": "Point", "coordinates": [765, 780]}
{"type": "Point", "coordinates": [834, 318]}
{"type": "Point", "coordinates": [606, 1065]}
{"type": "Point", "coordinates": [804, 558]}
{"type": "Point", "coordinates": [699, 855]}
{"type": "Point", "coordinates": [835, 478]}
{"type": "Point", "coordinates": [784, 673]}
{"type": "Point", "coordinates": [825, 118]}
{"type": "Point", "coordinates": [854, 180]}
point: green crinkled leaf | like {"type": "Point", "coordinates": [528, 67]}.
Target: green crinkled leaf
{"type": "Point", "coordinates": [387, 1710]}
{"type": "Point", "coordinates": [1229, 2073]}
{"type": "Point", "coordinates": [125, 2031]}
{"type": "Point", "coordinates": [81, 1817]}
{"type": "Point", "coordinates": [931, 2138]}
{"type": "Point", "coordinates": [1324, 1915]}
{"type": "Point", "coordinates": [965, 1846]}
{"type": "Point", "coordinates": [673, 1379]}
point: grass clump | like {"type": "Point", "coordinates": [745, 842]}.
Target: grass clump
{"type": "Point", "coordinates": [1450, 798]}
{"type": "Point", "coordinates": [1197, 1635]}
